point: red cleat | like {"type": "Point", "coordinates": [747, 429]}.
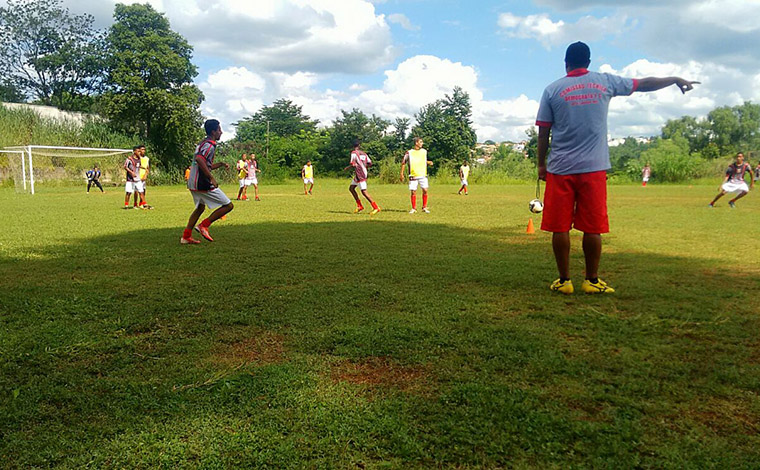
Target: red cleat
{"type": "Point", "coordinates": [189, 241]}
{"type": "Point", "coordinates": [204, 232]}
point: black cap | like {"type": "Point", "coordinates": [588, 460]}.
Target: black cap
{"type": "Point", "coordinates": [577, 53]}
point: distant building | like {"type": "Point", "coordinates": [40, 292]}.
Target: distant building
{"type": "Point", "coordinates": [614, 142]}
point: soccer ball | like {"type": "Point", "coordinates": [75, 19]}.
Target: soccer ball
{"type": "Point", "coordinates": [536, 206]}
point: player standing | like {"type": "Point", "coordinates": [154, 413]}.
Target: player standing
{"type": "Point", "coordinates": [464, 172]}
{"type": "Point", "coordinates": [361, 162]}
{"type": "Point", "coordinates": [418, 163]}
{"type": "Point", "coordinates": [242, 169]}
{"type": "Point", "coordinates": [573, 110]}
{"type": "Point", "coordinates": [307, 173]}
{"type": "Point", "coordinates": [132, 168]}
{"type": "Point", "coordinates": [203, 186]}
{"type": "Point", "coordinates": [144, 170]}
{"type": "Point", "coordinates": [735, 181]}
{"type": "Point", "coordinates": [252, 178]}
{"type": "Point", "coordinates": [93, 177]}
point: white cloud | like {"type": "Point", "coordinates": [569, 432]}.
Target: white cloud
{"type": "Point", "coordinates": [552, 33]}
{"type": "Point", "coordinates": [403, 21]}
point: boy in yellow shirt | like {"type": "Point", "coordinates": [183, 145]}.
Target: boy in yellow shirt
{"type": "Point", "coordinates": [417, 160]}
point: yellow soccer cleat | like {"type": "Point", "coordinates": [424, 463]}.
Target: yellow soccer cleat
{"type": "Point", "coordinates": [375, 211]}
{"type": "Point", "coordinates": [598, 287]}
{"type": "Point", "coordinates": [564, 287]}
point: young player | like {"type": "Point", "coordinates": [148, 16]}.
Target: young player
{"type": "Point", "coordinates": [93, 177]}
{"type": "Point", "coordinates": [418, 163]}
{"type": "Point", "coordinates": [307, 173]}
{"type": "Point", "coordinates": [144, 170]}
{"type": "Point", "coordinates": [203, 186]}
{"type": "Point", "coordinates": [132, 168]}
{"type": "Point", "coordinates": [464, 172]}
{"type": "Point", "coordinates": [646, 172]}
{"type": "Point", "coordinates": [187, 174]}
{"type": "Point", "coordinates": [241, 167]}
{"type": "Point", "coordinates": [252, 179]}
{"type": "Point", "coordinates": [361, 162]}
{"type": "Point", "coordinates": [735, 181]}
{"type": "Point", "coordinates": [573, 111]}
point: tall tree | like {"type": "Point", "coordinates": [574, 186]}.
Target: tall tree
{"type": "Point", "coordinates": [447, 127]}
{"type": "Point", "coordinates": [283, 118]}
{"type": "Point", "coordinates": [150, 82]}
{"type": "Point", "coordinates": [48, 54]}
{"type": "Point", "coordinates": [356, 125]}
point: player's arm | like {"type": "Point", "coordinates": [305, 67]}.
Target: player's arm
{"type": "Point", "coordinates": [658, 83]}
{"type": "Point", "coordinates": [543, 148]}
{"type": "Point", "coordinates": [403, 164]}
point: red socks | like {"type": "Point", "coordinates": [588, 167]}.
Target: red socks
{"type": "Point", "coordinates": [424, 200]}
{"type": "Point", "coordinates": [187, 233]}
{"type": "Point", "coordinates": [205, 223]}
{"type": "Point", "coordinates": [374, 205]}
{"type": "Point", "coordinates": [414, 201]}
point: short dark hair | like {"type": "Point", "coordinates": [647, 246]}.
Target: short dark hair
{"type": "Point", "coordinates": [210, 126]}
{"type": "Point", "coordinates": [416, 139]}
{"type": "Point", "coordinates": [357, 142]}
{"type": "Point", "coordinates": [578, 55]}
{"type": "Point", "coordinates": [141, 146]}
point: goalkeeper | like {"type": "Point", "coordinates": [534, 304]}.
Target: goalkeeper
{"type": "Point", "coordinates": [93, 177]}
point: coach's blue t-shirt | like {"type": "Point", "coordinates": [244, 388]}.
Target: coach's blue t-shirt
{"type": "Point", "coordinates": [575, 107]}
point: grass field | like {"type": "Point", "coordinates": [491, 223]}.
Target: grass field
{"type": "Point", "coordinates": [310, 337]}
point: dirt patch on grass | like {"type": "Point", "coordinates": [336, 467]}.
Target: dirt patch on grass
{"type": "Point", "coordinates": [259, 348]}
{"type": "Point", "coordinates": [726, 417]}
{"type": "Point", "coordinates": [382, 372]}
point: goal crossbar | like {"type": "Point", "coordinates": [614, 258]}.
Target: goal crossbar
{"type": "Point", "coordinates": [29, 150]}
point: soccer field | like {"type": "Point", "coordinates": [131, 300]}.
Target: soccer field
{"type": "Point", "coordinates": [307, 336]}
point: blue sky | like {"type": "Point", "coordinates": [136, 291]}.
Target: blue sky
{"type": "Point", "coordinates": [391, 57]}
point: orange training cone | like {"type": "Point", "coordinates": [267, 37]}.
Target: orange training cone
{"type": "Point", "coordinates": [530, 227]}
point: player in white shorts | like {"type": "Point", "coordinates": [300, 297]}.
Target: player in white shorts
{"type": "Point", "coordinates": [242, 172]}
{"type": "Point", "coordinates": [646, 173]}
{"type": "Point", "coordinates": [735, 181]}
{"type": "Point", "coordinates": [360, 162]}
{"type": "Point", "coordinates": [203, 186]}
{"type": "Point", "coordinates": [251, 179]}
{"type": "Point", "coordinates": [417, 160]}
{"type": "Point", "coordinates": [134, 184]}
{"type": "Point", "coordinates": [307, 173]}
{"type": "Point", "coordinates": [464, 173]}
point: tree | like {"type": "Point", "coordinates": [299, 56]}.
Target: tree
{"type": "Point", "coordinates": [48, 54]}
{"type": "Point", "coordinates": [446, 126]}
{"type": "Point", "coordinates": [150, 89]}
{"type": "Point", "coordinates": [283, 119]}
{"type": "Point", "coordinates": [697, 133]}
{"type": "Point", "coordinates": [370, 130]}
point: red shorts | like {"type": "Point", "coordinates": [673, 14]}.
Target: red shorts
{"type": "Point", "coordinates": [576, 201]}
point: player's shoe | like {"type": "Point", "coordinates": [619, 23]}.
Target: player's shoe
{"type": "Point", "coordinates": [245, 198]}
{"type": "Point", "coordinates": [598, 287]}
{"type": "Point", "coordinates": [127, 207]}
{"type": "Point", "coordinates": [413, 211]}
{"type": "Point", "coordinates": [732, 204]}
{"type": "Point", "coordinates": [426, 210]}
{"type": "Point", "coordinates": [374, 211]}
{"type": "Point", "coordinates": [204, 232]}
{"type": "Point", "coordinates": [189, 241]}
{"type": "Point", "coordinates": [710, 205]}
{"type": "Point", "coordinates": [358, 209]}
{"type": "Point", "coordinates": [258, 199]}
{"type": "Point", "coordinates": [147, 207]}
{"type": "Point", "coordinates": [564, 287]}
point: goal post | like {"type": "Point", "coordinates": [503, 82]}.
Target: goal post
{"type": "Point", "coordinates": [16, 165]}
{"type": "Point", "coordinates": [49, 165]}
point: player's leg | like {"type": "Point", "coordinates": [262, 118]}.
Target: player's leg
{"type": "Point", "coordinates": [720, 195]}
{"type": "Point", "coordinates": [592, 252]}
{"type": "Point", "coordinates": [352, 189]}
{"type": "Point", "coordinates": [375, 207]}
{"type": "Point", "coordinates": [256, 191]}
{"type": "Point", "coordinates": [741, 195]}
{"type": "Point", "coordinates": [187, 234]}
{"type": "Point", "coordinates": [241, 190]}
{"type": "Point", "coordinates": [305, 191]}
{"type": "Point", "coordinates": [100, 186]}
{"type": "Point", "coordinates": [89, 183]}
{"type": "Point", "coordinates": [128, 194]}
{"type": "Point", "coordinates": [311, 187]}
{"type": "Point", "coordinates": [425, 199]}
{"type": "Point", "coordinates": [219, 213]}
{"type": "Point", "coordinates": [561, 249]}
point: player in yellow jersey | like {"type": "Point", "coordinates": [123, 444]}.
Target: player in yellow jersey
{"type": "Point", "coordinates": [464, 172]}
{"type": "Point", "coordinates": [307, 173]}
{"type": "Point", "coordinates": [242, 172]}
{"type": "Point", "coordinates": [144, 170]}
{"type": "Point", "coordinates": [417, 160]}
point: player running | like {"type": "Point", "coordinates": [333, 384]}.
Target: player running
{"type": "Point", "coordinates": [418, 163]}
{"type": "Point", "coordinates": [203, 186]}
{"type": "Point", "coordinates": [307, 173]}
{"type": "Point", "coordinates": [735, 181]}
{"type": "Point", "coordinates": [464, 172]}
{"type": "Point", "coordinates": [361, 162]}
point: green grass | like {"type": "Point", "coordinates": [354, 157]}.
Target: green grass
{"type": "Point", "coordinates": [310, 337]}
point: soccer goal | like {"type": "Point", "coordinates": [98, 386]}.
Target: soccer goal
{"type": "Point", "coordinates": [43, 165]}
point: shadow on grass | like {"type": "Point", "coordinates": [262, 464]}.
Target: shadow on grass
{"type": "Point", "coordinates": [413, 344]}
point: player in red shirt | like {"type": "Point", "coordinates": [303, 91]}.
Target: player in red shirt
{"type": "Point", "coordinates": [361, 162]}
{"type": "Point", "coordinates": [735, 181]}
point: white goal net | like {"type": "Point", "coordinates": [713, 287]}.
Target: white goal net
{"type": "Point", "coordinates": [36, 166]}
